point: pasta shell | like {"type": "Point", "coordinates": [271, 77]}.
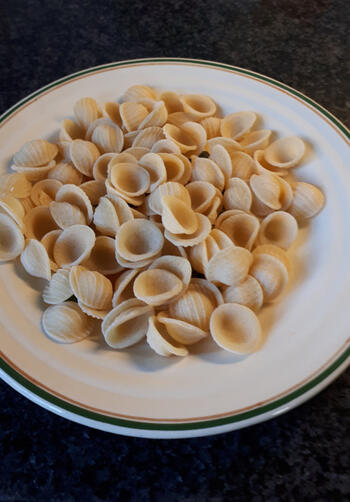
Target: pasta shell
{"type": "Point", "coordinates": [66, 323]}
{"type": "Point", "coordinates": [266, 191]}
{"type": "Point", "coordinates": [124, 286]}
{"type": "Point", "coordinates": [263, 167]}
{"type": "Point", "coordinates": [106, 219]}
{"type": "Point", "coordinates": [86, 111]}
{"type": "Point", "coordinates": [13, 208]}
{"type": "Point", "coordinates": [206, 170]}
{"type": "Point", "coordinates": [94, 189]}
{"type": "Point", "coordinates": [91, 288]}
{"type": "Point", "coordinates": [35, 260]}
{"type": "Point", "coordinates": [189, 137]}
{"type": "Point", "coordinates": [184, 141]}
{"type": "Point", "coordinates": [174, 166]}
{"type": "Point", "coordinates": [243, 165]}
{"type": "Point", "coordinates": [248, 293]}
{"type": "Point", "coordinates": [138, 240]}
{"type": "Point", "coordinates": [220, 239]}
{"type": "Point", "coordinates": [211, 126]}
{"type": "Point", "coordinates": [170, 188]}
{"type": "Point", "coordinates": [229, 144]}
{"type": "Point", "coordinates": [196, 304]}
{"type": "Point", "coordinates": [185, 240]}
{"type": "Point", "coordinates": [181, 331]}
{"type": "Point", "coordinates": [58, 290]}
{"type": "Point", "coordinates": [209, 289]}
{"type": "Point", "coordinates": [229, 266]}
{"type": "Point", "coordinates": [236, 328]}
{"type": "Point", "coordinates": [11, 239]}
{"type": "Point", "coordinates": [242, 229]}
{"type": "Point", "coordinates": [275, 251]}
{"type": "Point", "coordinates": [285, 152]}
{"type": "Point", "coordinates": [226, 214]}
{"type": "Point", "coordinates": [255, 140]}
{"type": "Point", "coordinates": [74, 245]}
{"type": "Point", "coordinates": [76, 197]}
{"type": "Point", "coordinates": [110, 214]}
{"type": "Point", "coordinates": [126, 324]}
{"type": "Point", "coordinates": [108, 138]}
{"type": "Point", "coordinates": [65, 214]}
{"type": "Point", "coordinates": [154, 165]}
{"type": "Point", "coordinates": [202, 193]}
{"type": "Point", "coordinates": [132, 115]}
{"type": "Point", "coordinates": [198, 105]}
{"type": "Point", "coordinates": [200, 254]}
{"type": "Point", "coordinates": [172, 101]}
{"type": "Point", "coordinates": [237, 195]}
{"type": "Point", "coordinates": [44, 191]}
{"type": "Point", "coordinates": [111, 110]}
{"type": "Point", "coordinates": [177, 265]}
{"type": "Point", "coordinates": [165, 146]}
{"type": "Point", "coordinates": [271, 274]}
{"type": "Point", "coordinates": [137, 92]}
{"type": "Point", "coordinates": [160, 341]}
{"type": "Point", "coordinates": [137, 152]}
{"type": "Point", "coordinates": [35, 173]}
{"type": "Point", "coordinates": [66, 173]}
{"type": "Point", "coordinates": [38, 222]}
{"type": "Point", "coordinates": [35, 153]}
{"type": "Point", "coordinates": [102, 257]}
{"type": "Point", "coordinates": [278, 228]}
{"type": "Point", "coordinates": [49, 241]}
{"type": "Point", "coordinates": [147, 137]}
{"type": "Point", "coordinates": [135, 264]}
{"type": "Point", "coordinates": [307, 202]}
{"type": "Point", "coordinates": [157, 117]}
{"type": "Point", "coordinates": [235, 125]}
{"type": "Point", "coordinates": [83, 155]}
{"type": "Point", "coordinates": [157, 286]}
{"type": "Point", "coordinates": [177, 216]}
{"type": "Point", "coordinates": [129, 179]}
{"type": "Point", "coordinates": [15, 184]}
{"type": "Point", "coordinates": [70, 130]}
{"type": "Point", "coordinates": [222, 159]}
{"type": "Point", "coordinates": [94, 125]}
{"type": "Point", "coordinates": [100, 167]}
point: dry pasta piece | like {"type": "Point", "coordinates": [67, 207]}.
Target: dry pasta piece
{"type": "Point", "coordinates": [66, 323]}
{"type": "Point", "coordinates": [236, 328]}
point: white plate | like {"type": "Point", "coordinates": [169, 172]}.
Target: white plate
{"type": "Point", "coordinates": [137, 393]}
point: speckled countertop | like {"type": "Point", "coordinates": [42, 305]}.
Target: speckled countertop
{"type": "Point", "coordinates": [300, 456]}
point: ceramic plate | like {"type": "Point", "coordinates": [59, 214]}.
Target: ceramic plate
{"type": "Point", "coordinates": [136, 392]}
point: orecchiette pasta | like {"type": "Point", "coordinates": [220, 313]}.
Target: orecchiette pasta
{"type": "Point", "coordinates": [160, 218]}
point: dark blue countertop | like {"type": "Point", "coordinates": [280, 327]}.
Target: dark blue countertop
{"type": "Point", "coordinates": [300, 456]}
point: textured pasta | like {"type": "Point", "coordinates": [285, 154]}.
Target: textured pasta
{"type": "Point", "coordinates": [161, 219]}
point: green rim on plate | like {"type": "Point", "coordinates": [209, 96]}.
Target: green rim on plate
{"type": "Point", "coordinates": [199, 424]}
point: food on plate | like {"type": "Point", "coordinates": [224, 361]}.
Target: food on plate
{"type": "Point", "coordinates": [157, 219]}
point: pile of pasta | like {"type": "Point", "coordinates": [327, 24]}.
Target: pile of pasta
{"type": "Point", "coordinates": [156, 218]}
